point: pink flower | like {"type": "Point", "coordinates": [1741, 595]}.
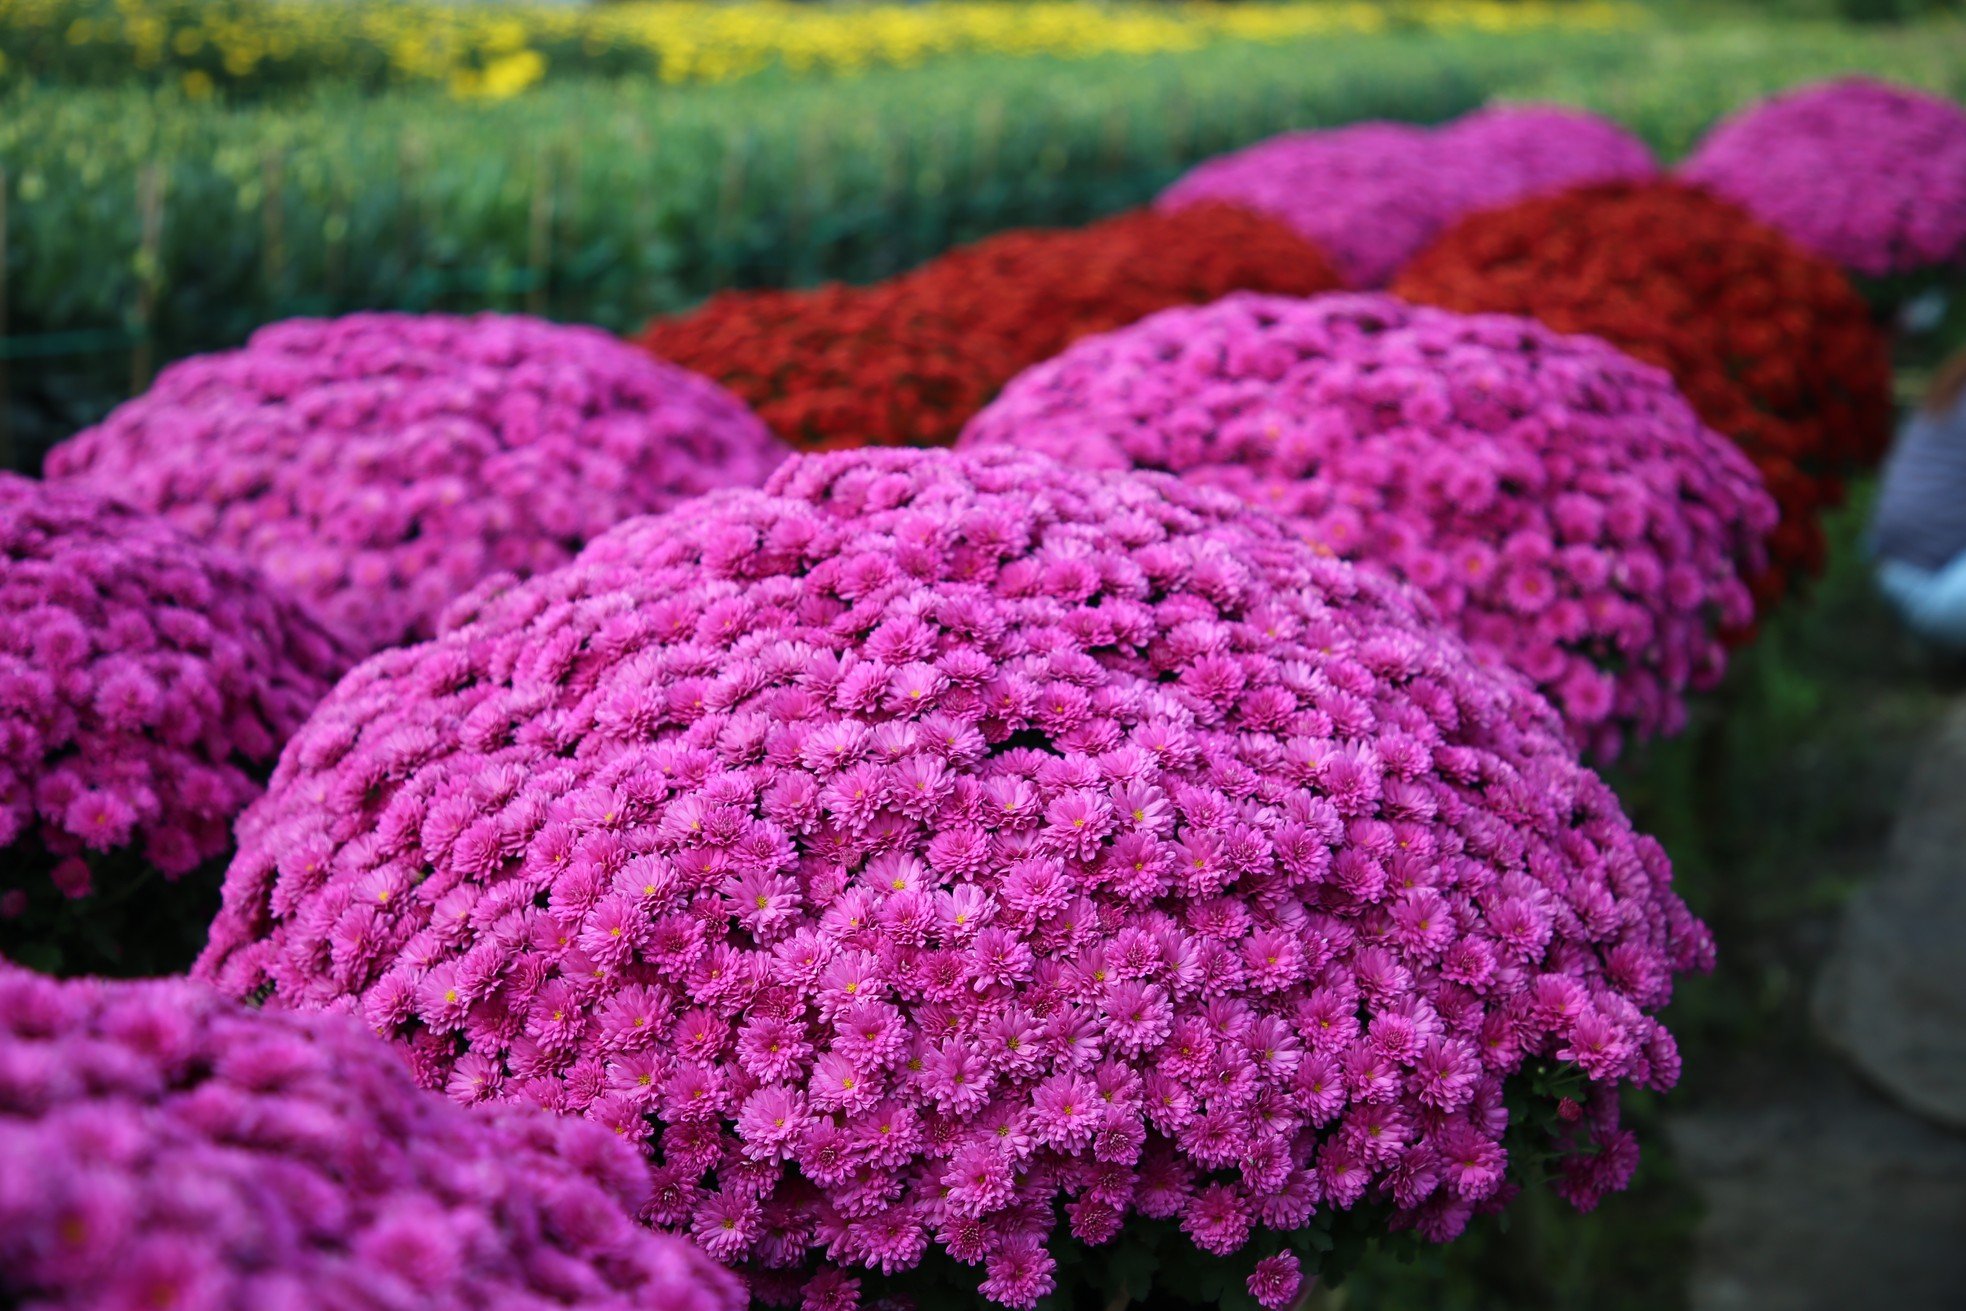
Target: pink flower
{"type": "Point", "coordinates": [1867, 174]}
{"type": "Point", "coordinates": [1317, 410]}
{"type": "Point", "coordinates": [380, 466]}
{"type": "Point", "coordinates": [219, 1158]}
{"type": "Point", "coordinates": [972, 1022]}
{"type": "Point", "coordinates": [146, 686]}
{"type": "Point", "coordinates": [1276, 1281]}
{"type": "Point", "coordinates": [1371, 195]}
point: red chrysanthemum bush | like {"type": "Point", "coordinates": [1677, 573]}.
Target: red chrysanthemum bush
{"type": "Point", "coordinates": [1770, 343]}
{"type": "Point", "coordinates": [164, 1148]}
{"type": "Point", "coordinates": [963, 856]}
{"type": "Point", "coordinates": [906, 362]}
{"type": "Point", "coordinates": [1558, 502]}
{"type": "Point", "coordinates": [838, 366]}
{"type": "Point", "coordinates": [147, 683]}
{"type": "Point", "coordinates": [379, 465]}
{"type": "Point", "coordinates": [1040, 290]}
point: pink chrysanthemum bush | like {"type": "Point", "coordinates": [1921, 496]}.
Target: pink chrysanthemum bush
{"type": "Point", "coordinates": [1559, 503]}
{"type": "Point", "coordinates": [1505, 153]}
{"type": "Point", "coordinates": [1870, 175]}
{"type": "Point", "coordinates": [1370, 195]}
{"type": "Point", "coordinates": [951, 866]}
{"type": "Point", "coordinates": [146, 685]}
{"type": "Point", "coordinates": [380, 465]}
{"type": "Point", "coordinates": [164, 1148]}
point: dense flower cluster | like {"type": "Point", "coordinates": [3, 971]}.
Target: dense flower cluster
{"type": "Point", "coordinates": [146, 685]}
{"type": "Point", "coordinates": [1870, 175]}
{"type": "Point", "coordinates": [1372, 194]}
{"type": "Point", "coordinates": [1557, 501]}
{"type": "Point", "coordinates": [1507, 152]}
{"type": "Point", "coordinates": [839, 366]}
{"type": "Point", "coordinates": [929, 839]}
{"type": "Point", "coordinates": [163, 1148]}
{"type": "Point", "coordinates": [381, 464]}
{"type": "Point", "coordinates": [1770, 343]}
{"type": "Point", "coordinates": [1039, 290]}
{"type": "Point", "coordinates": [906, 362]}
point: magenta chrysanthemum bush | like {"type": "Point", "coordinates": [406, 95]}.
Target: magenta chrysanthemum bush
{"type": "Point", "coordinates": [380, 465]}
{"type": "Point", "coordinates": [1369, 195]}
{"type": "Point", "coordinates": [1870, 175]}
{"type": "Point", "coordinates": [971, 853]}
{"type": "Point", "coordinates": [163, 1148]}
{"type": "Point", "coordinates": [146, 685]}
{"type": "Point", "coordinates": [1556, 500]}
{"type": "Point", "coordinates": [1505, 153]}
{"type": "Point", "coordinates": [1372, 194]}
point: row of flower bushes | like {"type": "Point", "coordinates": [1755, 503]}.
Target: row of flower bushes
{"type": "Point", "coordinates": [140, 224]}
{"type": "Point", "coordinates": [953, 870]}
{"type": "Point", "coordinates": [493, 51]}
{"type": "Point", "coordinates": [142, 228]}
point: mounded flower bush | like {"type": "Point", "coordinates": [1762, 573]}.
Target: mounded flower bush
{"type": "Point", "coordinates": [379, 465]}
{"type": "Point", "coordinates": [1370, 195]}
{"type": "Point", "coordinates": [1039, 290]}
{"type": "Point", "coordinates": [945, 861]}
{"type": "Point", "coordinates": [164, 1148]}
{"type": "Point", "coordinates": [147, 683]}
{"type": "Point", "coordinates": [1867, 174]}
{"type": "Point", "coordinates": [1506, 152]}
{"type": "Point", "coordinates": [1769, 342]}
{"type": "Point", "coordinates": [907, 361]}
{"type": "Point", "coordinates": [1558, 502]}
{"type": "Point", "coordinates": [839, 366]}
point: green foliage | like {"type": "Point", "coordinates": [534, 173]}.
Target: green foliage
{"type": "Point", "coordinates": [180, 226]}
{"type": "Point", "coordinates": [142, 226]}
{"type": "Point", "coordinates": [133, 924]}
{"type": "Point", "coordinates": [1684, 76]}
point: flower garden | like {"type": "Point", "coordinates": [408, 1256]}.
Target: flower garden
{"type": "Point", "coordinates": [1087, 708]}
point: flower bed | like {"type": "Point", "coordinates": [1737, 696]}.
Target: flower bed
{"type": "Point", "coordinates": [1770, 343]}
{"type": "Point", "coordinates": [161, 1147]}
{"type": "Point", "coordinates": [906, 362]}
{"type": "Point", "coordinates": [1870, 175]}
{"type": "Point", "coordinates": [146, 685]}
{"type": "Point", "coordinates": [929, 839]}
{"type": "Point", "coordinates": [379, 465]}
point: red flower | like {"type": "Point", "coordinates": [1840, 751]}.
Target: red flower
{"type": "Point", "coordinates": [907, 361]}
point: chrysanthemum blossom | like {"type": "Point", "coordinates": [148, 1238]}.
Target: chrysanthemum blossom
{"type": "Point", "coordinates": [930, 838]}
{"type": "Point", "coordinates": [1770, 343]}
{"type": "Point", "coordinates": [905, 362]}
{"type": "Point", "coordinates": [1371, 195]}
{"type": "Point", "coordinates": [379, 465]}
{"type": "Point", "coordinates": [1870, 175]}
{"type": "Point", "coordinates": [1558, 502]}
{"type": "Point", "coordinates": [147, 683]}
{"type": "Point", "coordinates": [164, 1147]}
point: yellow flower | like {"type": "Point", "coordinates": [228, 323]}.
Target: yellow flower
{"type": "Point", "coordinates": [486, 51]}
{"type": "Point", "coordinates": [508, 75]}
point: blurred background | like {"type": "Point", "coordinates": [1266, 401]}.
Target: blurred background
{"type": "Point", "coordinates": [174, 173]}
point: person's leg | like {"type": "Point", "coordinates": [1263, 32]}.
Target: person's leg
{"type": "Point", "coordinates": [1932, 601]}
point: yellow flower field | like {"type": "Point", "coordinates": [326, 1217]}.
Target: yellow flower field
{"type": "Point", "coordinates": [496, 51]}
